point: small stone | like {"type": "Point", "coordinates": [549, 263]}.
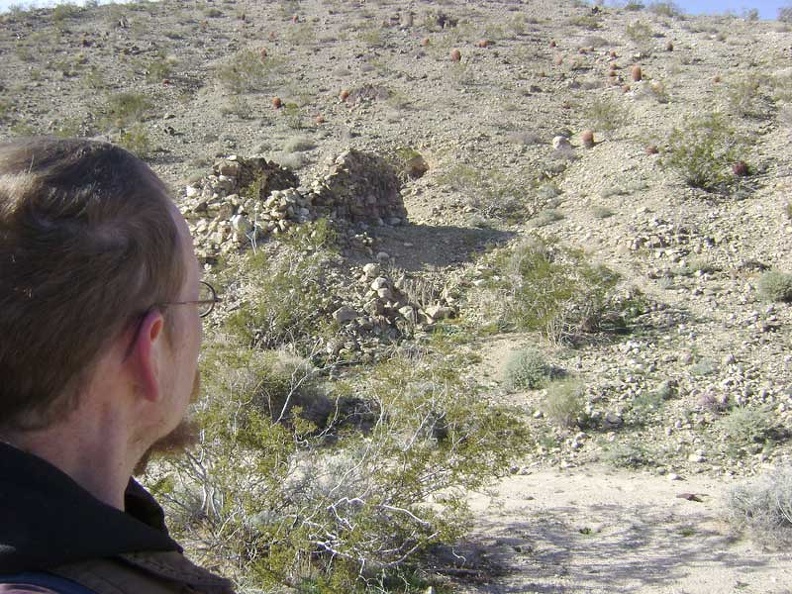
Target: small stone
{"type": "Point", "coordinates": [371, 270]}
{"type": "Point", "coordinates": [408, 313]}
{"type": "Point", "coordinates": [345, 314]}
{"type": "Point", "coordinates": [438, 312]}
{"type": "Point", "coordinates": [561, 143]}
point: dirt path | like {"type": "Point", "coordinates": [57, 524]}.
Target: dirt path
{"type": "Point", "coordinates": [598, 530]}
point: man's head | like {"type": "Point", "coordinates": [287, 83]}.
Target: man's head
{"type": "Point", "coordinates": [90, 243]}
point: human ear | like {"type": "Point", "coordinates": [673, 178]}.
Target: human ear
{"type": "Point", "coordinates": [145, 356]}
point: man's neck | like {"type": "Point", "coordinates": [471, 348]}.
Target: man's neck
{"type": "Point", "coordinates": [92, 456]}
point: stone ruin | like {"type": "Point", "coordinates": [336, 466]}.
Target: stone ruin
{"type": "Point", "coordinates": [246, 200]}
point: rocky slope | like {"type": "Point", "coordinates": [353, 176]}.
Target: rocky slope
{"type": "Point", "coordinates": [481, 92]}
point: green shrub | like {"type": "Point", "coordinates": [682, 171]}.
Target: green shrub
{"type": "Point", "coordinates": [630, 453]}
{"type": "Point", "coordinates": [607, 115]}
{"type": "Point", "coordinates": [667, 9]}
{"type": "Point", "coordinates": [135, 139]}
{"type": "Point", "coordinates": [564, 403]}
{"type": "Point", "coordinates": [746, 97]}
{"type": "Point", "coordinates": [764, 508]}
{"type": "Point", "coordinates": [546, 217]}
{"type": "Point", "coordinates": [750, 429]}
{"type": "Point", "coordinates": [639, 33]}
{"type": "Point", "coordinates": [489, 194]}
{"type": "Point", "coordinates": [526, 368]}
{"type": "Point", "coordinates": [775, 286]}
{"type": "Point", "coordinates": [703, 151]}
{"type": "Point", "coordinates": [159, 68]}
{"type": "Point", "coordinates": [286, 301]}
{"type": "Point", "coordinates": [126, 108]}
{"type": "Point", "coordinates": [245, 71]}
{"type": "Point", "coordinates": [556, 291]}
{"type": "Point", "coordinates": [348, 507]}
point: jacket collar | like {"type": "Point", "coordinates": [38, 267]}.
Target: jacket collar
{"type": "Point", "coordinates": [47, 519]}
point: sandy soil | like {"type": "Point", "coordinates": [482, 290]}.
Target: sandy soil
{"type": "Point", "coordinates": [600, 530]}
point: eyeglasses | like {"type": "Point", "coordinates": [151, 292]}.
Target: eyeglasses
{"type": "Point", "coordinates": [207, 297]}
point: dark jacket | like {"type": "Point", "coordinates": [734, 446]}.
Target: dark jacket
{"type": "Point", "coordinates": [49, 523]}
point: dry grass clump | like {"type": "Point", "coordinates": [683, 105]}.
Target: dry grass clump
{"type": "Point", "coordinates": [775, 286]}
{"type": "Point", "coordinates": [763, 508]}
{"type": "Point", "coordinates": [564, 403]}
{"type": "Point", "coordinates": [527, 369]}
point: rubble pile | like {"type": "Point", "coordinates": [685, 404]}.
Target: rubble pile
{"type": "Point", "coordinates": [246, 200]}
{"type": "Point", "coordinates": [381, 311]}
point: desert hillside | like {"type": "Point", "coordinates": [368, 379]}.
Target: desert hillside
{"type": "Point", "coordinates": [585, 213]}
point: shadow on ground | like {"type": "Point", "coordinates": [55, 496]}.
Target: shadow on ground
{"type": "Point", "coordinates": [426, 247]}
{"type": "Point", "coordinates": [602, 548]}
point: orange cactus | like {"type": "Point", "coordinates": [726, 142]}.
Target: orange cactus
{"type": "Point", "coordinates": [456, 55]}
{"type": "Point", "coordinates": [277, 103]}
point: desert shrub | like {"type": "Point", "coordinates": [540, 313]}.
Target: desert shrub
{"type": "Point", "coordinates": [159, 68]}
{"type": "Point", "coordinates": [703, 151]}
{"type": "Point", "coordinates": [750, 430]}
{"type": "Point", "coordinates": [344, 507]}
{"type": "Point", "coordinates": [547, 216]}
{"type": "Point", "coordinates": [586, 21]}
{"type": "Point", "coordinates": [526, 368]}
{"type": "Point", "coordinates": [785, 14]}
{"type": "Point", "coordinates": [667, 9]}
{"type": "Point", "coordinates": [602, 212]}
{"type": "Point", "coordinates": [556, 291]}
{"type": "Point", "coordinates": [607, 115]}
{"type": "Point", "coordinates": [639, 33]}
{"type": "Point", "coordinates": [489, 193]}
{"type": "Point", "coordinates": [282, 287]}
{"type": "Point", "coordinates": [297, 144]}
{"type": "Point", "coordinates": [746, 98]}
{"type": "Point", "coordinates": [564, 403]}
{"type": "Point", "coordinates": [763, 507]}
{"type": "Point", "coordinates": [136, 139]}
{"type": "Point", "coordinates": [628, 453]}
{"type": "Point", "coordinates": [62, 12]}
{"type": "Point", "coordinates": [246, 71]}
{"type": "Point", "coordinates": [775, 286]}
{"type": "Point", "coordinates": [408, 162]}
{"type": "Point", "coordinates": [126, 108]}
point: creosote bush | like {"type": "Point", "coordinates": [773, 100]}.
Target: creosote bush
{"type": "Point", "coordinates": [557, 291]}
{"type": "Point", "coordinates": [282, 288]}
{"type": "Point", "coordinates": [246, 71]}
{"type": "Point", "coordinates": [342, 504]}
{"type": "Point", "coordinates": [750, 430]}
{"type": "Point", "coordinates": [607, 114]}
{"type": "Point", "coordinates": [703, 151]}
{"type": "Point", "coordinates": [124, 109]}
